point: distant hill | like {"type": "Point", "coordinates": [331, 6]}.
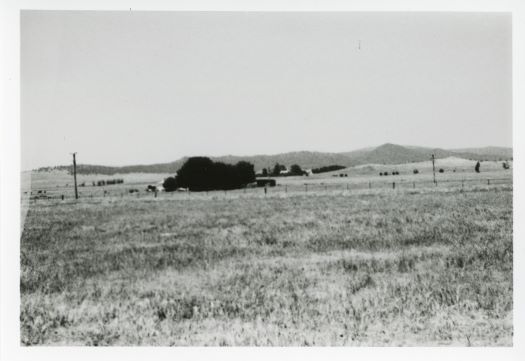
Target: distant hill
{"type": "Point", "coordinates": [384, 154]}
{"type": "Point", "coordinates": [499, 152]}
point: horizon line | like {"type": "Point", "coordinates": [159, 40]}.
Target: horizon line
{"type": "Point", "coordinates": [268, 155]}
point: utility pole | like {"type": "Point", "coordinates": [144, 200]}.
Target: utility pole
{"type": "Point", "coordinates": [75, 174]}
{"type": "Point", "coordinates": [433, 169]}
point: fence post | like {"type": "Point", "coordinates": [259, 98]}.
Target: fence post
{"type": "Point", "coordinates": [488, 182]}
{"type": "Point", "coordinates": [62, 197]}
{"type": "Point", "coordinates": [393, 185]}
{"type": "Point", "coordinates": [265, 190]}
{"type": "Point", "coordinates": [462, 183]}
{"type": "Point", "coordinates": [369, 185]}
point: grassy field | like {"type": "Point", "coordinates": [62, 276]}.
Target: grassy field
{"type": "Point", "coordinates": [424, 266]}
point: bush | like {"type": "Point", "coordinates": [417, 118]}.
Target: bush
{"type": "Point", "coordinates": [415, 171]}
{"type": "Point", "coordinates": [441, 170]}
{"type": "Point", "coordinates": [170, 184]}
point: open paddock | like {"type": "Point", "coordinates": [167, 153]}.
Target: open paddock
{"type": "Point", "coordinates": [380, 266]}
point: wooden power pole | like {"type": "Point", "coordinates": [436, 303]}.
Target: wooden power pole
{"type": "Point", "coordinates": [75, 174]}
{"type": "Point", "coordinates": [433, 169]}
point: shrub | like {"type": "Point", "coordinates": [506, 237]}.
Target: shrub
{"type": "Point", "coordinates": [170, 184]}
{"type": "Point", "coordinates": [441, 170]}
{"type": "Point", "coordinates": [415, 171]}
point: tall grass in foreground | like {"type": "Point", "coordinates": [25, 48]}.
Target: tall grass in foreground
{"type": "Point", "coordinates": [383, 268]}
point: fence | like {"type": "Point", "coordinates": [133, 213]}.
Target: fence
{"type": "Point", "coordinates": [290, 188]}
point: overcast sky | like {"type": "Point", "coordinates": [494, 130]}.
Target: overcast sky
{"type": "Point", "coordinates": [146, 87]}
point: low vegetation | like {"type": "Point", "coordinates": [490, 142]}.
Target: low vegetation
{"type": "Point", "coordinates": [375, 267]}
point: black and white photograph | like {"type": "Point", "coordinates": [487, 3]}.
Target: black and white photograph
{"type": "Point", "coordinates": [266, 178]}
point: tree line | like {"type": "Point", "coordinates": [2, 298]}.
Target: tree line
{"type": "Point", "coordinates": [281, 170]}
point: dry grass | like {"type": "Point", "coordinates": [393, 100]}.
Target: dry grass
{"type": "Point", "coordinates": [423, 267]}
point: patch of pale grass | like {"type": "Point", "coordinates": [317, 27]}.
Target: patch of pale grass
{"type": "Point", "coordinates": [369, 268]}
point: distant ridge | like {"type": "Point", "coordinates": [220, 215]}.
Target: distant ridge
{"type": "Point", "coordinates": [384, 154]}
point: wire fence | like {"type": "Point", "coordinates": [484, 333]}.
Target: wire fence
{"type": "Point", "coordinates": [280, 189]}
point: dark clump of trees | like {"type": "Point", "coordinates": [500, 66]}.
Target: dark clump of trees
{"type": "Point", "coordinates": [296, 169]}
{"type": "Point", "coordinates": [203, 174]}
{"type": "Point", "coordinates": [281, 170]}
{"type": "Point", "coordinates": [277, 168]}
{"type": "Point", "coordinates": [329, 168]}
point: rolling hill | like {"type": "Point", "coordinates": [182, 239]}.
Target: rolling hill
{"type": "Point", "coordinates": [384, 154]}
